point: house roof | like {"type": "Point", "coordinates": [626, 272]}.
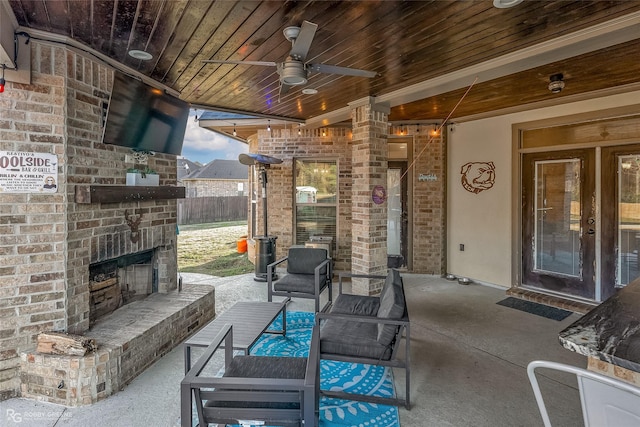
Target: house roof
{"type": "Point", "coordinates": [186, 167]}
{"type": "Point", "coordinates": [424, 54]}
{"type": "Point", "coordinates": [221, 169]}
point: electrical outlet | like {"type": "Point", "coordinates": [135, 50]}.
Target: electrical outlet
{"type": "Point", "coordinates": [461, 246]}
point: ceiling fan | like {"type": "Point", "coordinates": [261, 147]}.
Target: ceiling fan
{"type": "Point", "coordinates": [294, 71]}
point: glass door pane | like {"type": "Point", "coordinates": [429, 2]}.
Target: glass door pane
{"type": "Point", "coordinates": [628, 218]}
{"type": "Point", "coordinates": [394, 212]}
{"type": "Point", "coordinates": [557, 217]}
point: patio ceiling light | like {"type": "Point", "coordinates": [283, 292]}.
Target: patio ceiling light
{"type": "Point", "coordinates": [556, 83]}
{"type": "Point", "coordinates": [140, 54]}
{"type": "Point", "coordinates": [504, 4]}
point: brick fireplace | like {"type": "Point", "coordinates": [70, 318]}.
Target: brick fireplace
{"type": "Point", "coordinates": [50, 241]}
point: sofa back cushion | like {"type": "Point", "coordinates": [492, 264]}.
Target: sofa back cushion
{"type": "Point", "coordinates": [393, 277]}
{"type": "Point", "coordinates": [302, 260]}
{"type": "Point", "coordinates": [392, 306]}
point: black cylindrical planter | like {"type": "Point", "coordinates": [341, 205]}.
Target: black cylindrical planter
{"type": "Point", "coordinates": [265, 255]}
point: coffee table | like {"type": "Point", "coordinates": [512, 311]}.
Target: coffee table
{"type": "Point", "coordinates": [250, 319]}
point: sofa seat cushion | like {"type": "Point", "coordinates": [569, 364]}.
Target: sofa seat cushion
{"type": "Point", "coordinates": [351, 338]}
{"type": "Point", "coordinates": [360, 305]}
{"type": "Point", "coordinates": [304, 283]}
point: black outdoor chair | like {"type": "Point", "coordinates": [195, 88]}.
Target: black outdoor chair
{"type": "Point", "coordinates": [309, 273]}
{"type": "Point", "coordinates": [262, 390]}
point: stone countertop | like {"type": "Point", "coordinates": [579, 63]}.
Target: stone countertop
{"type": "Point", "coordinates": [611, 331]}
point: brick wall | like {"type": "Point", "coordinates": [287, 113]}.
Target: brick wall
{"type": "Point", "coordinates": [47, 241]}
{"type": "Point", "coordinates": [288, 145]}
{"type": "Point", "coordinates": [32, 226]}
{"type": "Point", "coordinates": [429, 204]}
{"type": "Point", "coordinates": [369, 226]}
{"type": "Point", "coordinates": [215, 187]}
{"type": "Point", "coordinates": [428, 208]}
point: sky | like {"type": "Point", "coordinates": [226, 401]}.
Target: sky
{"type": "Point", "coordinates": [202, 145]}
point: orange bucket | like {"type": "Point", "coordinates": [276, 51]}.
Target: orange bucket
{"type": "Point", "coordinates": [241, 246]}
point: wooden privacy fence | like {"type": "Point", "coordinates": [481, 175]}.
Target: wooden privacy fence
{"type": "Point", "coordinates": [200, 210]}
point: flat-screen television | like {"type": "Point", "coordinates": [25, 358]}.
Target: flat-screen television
{"type": "Point", "coordinates": [144, 118]}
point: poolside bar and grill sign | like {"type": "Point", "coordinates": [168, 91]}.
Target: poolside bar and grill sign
{"type": "Point", "coordinates": [23, 172]}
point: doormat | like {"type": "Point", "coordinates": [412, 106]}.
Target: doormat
{"type": "Point", "coordinates": [535, 308]}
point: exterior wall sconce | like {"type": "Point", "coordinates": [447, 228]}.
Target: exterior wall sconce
{"type": "Point", "coordinates": [269, 125]}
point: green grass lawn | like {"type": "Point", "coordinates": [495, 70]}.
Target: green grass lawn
{"type": "Point", "coordinates": [212, 249]}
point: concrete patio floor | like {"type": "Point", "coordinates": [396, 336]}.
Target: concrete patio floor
{"type": "Point", "coordinates": [468, 364]}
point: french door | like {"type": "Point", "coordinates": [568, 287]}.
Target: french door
{"type": "Point", "coordinates": [397, 215]}
{"type": "Point", "coordinates": [579, 240]}
{"type": "Point", "coordinates": [559, 223]}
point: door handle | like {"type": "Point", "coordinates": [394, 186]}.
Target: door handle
{"type": "Point", "coordinates": [591, 231]}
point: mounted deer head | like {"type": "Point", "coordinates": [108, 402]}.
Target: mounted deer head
{"type": "Point", "coordinates": [133, 225]}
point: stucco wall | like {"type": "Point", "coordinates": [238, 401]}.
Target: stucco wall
{"type": "Point", "coordinates": [483, 221]}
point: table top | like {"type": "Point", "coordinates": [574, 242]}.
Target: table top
{"type": "Point", "coordinates": [611, 331]}
{"type": "Point", "coordinates": [249, 319]}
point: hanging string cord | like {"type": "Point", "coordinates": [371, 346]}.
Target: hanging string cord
{"type": "Point", "coordinates": [439, 129]}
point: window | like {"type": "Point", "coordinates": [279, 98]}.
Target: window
{"type": "Point", "coordinates": [316, 200]}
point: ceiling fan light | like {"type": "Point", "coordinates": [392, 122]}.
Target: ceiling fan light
{"type": "Point", "coordinates": [293, 73]}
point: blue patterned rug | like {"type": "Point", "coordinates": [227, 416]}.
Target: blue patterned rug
{"type": "Point", "coordinates": [351, 377]}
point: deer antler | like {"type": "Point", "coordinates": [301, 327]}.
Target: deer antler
{"type": "Point", "coordinates": [133, 225]}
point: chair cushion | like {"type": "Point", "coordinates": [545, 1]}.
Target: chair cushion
{"type": "Point", "coordinates": [304, 283]}
{"type": "Point", "coordinates": [388, 283]}
{"type": "Point", "coordinates": [360, 305]}
{"type": "Point", "coordinates": [262, 367]}
{"type": "Point", "coordinates": [392, 306]}
{"type": "Point", "coordinates": [303, 260]}
{"type": "Point", "coordinates": [348, 338]}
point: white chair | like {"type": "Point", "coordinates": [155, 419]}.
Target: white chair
{"type": "Point", "coordinates": [605, 400]}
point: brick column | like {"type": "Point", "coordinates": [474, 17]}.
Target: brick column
{"type": "Point", "coordinates": [369, 169]}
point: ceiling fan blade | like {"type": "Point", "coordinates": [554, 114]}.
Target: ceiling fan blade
{"type": "Point", "coordinates": [284, 89]}
{"type": "Point", "coordinates": [334, 69]}
{"type": "Point", "coordinates": [264, 63]}
{"type": "Point", "coordinates": [301, 46]}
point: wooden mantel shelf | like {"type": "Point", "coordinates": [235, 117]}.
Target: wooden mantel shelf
{"type": "Point", "coordinates": [126, 193]}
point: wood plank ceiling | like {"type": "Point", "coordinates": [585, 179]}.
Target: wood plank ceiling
{"type": "Point", "coordinates": [406, 43]}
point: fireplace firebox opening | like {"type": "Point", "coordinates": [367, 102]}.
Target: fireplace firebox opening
{"type": "Point", "coordinates": [119, 281]}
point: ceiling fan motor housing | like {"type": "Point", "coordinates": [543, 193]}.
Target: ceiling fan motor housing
{"type": "Point", "coordinates": [292, 73]}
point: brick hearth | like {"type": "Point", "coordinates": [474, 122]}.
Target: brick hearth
{"type": "Point", "coordinates": [129, 340]}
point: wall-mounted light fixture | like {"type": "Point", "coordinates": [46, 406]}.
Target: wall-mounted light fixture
{"type": "Point", "coordinates": [299, 129]}
{"type": "Point", "coordinates": [324, 133]}
{"type": "Point", "coordinates": [269, 125]}
{"type": "Point", "coordinates": [234, 130]}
